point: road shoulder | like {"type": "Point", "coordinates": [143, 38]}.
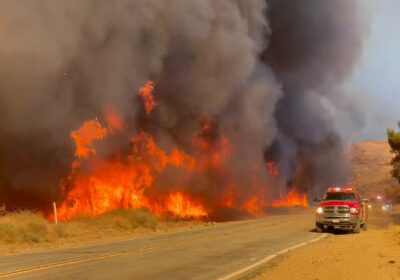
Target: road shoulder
{"type": "Point", "coordinates": [374, 254]}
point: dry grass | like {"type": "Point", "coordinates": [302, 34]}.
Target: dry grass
{"type": "Point", "coordinates": [26, 227]}
{"type": "Point", "coordinates": [26, 230]}
{"type": "Point", "coordinates": [371, 167]}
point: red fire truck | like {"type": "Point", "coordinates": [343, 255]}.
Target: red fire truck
{"type": "Point", "coordinates": [342, 208]}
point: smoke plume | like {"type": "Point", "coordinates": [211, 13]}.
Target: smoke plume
{"type": "Point", "coordinates": [270, 74]}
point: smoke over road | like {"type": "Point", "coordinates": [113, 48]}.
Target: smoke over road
{"type": "Point", "coordinates": [269, 74]}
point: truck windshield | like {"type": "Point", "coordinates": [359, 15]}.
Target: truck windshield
{"type": "Point", "coordinates": [340, 196]}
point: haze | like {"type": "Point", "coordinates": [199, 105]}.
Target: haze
{"type": "Point", "coordinates": [377, 76]}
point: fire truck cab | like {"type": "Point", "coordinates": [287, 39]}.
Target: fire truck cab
{"type": "Point", "coordinates": [342, 208]}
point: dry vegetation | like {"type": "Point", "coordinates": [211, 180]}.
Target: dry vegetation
{"type": "Point", "coordinates": [26, 230]}
{"type": "Point", "coordinates": [371, 167]}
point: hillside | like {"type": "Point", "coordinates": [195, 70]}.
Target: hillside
{"type": "Point", "coordinates": [371, 166]}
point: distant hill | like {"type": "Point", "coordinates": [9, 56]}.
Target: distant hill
{"type": "Point", "coordinates": [371, 167]}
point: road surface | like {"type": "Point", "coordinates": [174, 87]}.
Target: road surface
{"type": "Point", "coordinates": [211, 252]}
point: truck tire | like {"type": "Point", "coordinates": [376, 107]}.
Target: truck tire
{"type": "Point", "coordinates": [319, 228]}
{"type": "Point", "coordinates": [357, 228]}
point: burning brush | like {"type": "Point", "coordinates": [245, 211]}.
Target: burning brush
{"type": "Point", "coordinates": [131, 178]}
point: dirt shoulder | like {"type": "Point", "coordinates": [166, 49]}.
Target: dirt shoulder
{"type": "Point", "coordinates": [374, 254]}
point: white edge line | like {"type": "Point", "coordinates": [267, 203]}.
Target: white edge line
{"type": "Point", "coordinates": [268, 258]}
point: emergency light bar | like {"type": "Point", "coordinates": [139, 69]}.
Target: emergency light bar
{"type": "Point", "coordinates": [340, 189]}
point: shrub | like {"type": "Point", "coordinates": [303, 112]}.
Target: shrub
{"type": "Point", "coordinates": [24, 227]}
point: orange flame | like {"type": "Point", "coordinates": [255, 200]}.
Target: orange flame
{"type": "Point", "coordinates": [272, 169]}
{"type": "Point", "coordinates": [181, 205]}
{"type": "Point", "coordinates": [85, 136]}
{"type": "Point", "coordinates": [291, 199]}
{"type": "Point", "coordinates": [254, 205]}
{"type": "Point", "coordinates": [146, 93]}
{"type": "Point", "coordinates": [113, 184]}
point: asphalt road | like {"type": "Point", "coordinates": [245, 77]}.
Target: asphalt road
{"type": "Point", "coordinates": [210, 252]}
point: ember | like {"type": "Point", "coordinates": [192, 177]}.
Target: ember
{"type": "Point", "coordinates": [146, 93]}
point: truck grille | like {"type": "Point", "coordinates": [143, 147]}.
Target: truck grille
{"type": "Point", "coordinates": [336, 210]}
{"type": "Point", "coordinates": [336, 216]}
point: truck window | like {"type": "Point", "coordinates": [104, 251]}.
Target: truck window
{"type": "Point", "coordinates": [340, 196]}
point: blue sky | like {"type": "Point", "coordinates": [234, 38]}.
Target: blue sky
{"type": "Point", "coordinates": [377, 78]}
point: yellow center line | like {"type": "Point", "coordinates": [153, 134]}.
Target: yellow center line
{"type": "Point", "coordinates": [112, 255]}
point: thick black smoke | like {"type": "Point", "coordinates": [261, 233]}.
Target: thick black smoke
{"type": "Point", "coordinates": [314, 48]}
{"type": "Point", "coordinates": [270, 73]}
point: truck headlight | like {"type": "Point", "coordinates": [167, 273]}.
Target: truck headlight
{"type": "Point", "coordinates": [354, 210]}
{"type": "Point", "coordinates": [320, 210]}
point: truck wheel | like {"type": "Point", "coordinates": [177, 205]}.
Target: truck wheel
{"type": "Point", "coordinates": [319, 228]}
{"type": "Point", "coordinates": [365, 227]}
{"type": "Point", "coordinates": [357, 228]}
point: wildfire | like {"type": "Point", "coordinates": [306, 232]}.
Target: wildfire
{"type": "Point", "coordinates": [143, 175]}
{"type": "Point", "coordinates": [291, 199]}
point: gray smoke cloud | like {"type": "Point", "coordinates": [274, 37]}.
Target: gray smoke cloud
{"type": "Point", "coordinates": [314, 48]}
{"type": "Point", "coordinates": [269, 72]}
